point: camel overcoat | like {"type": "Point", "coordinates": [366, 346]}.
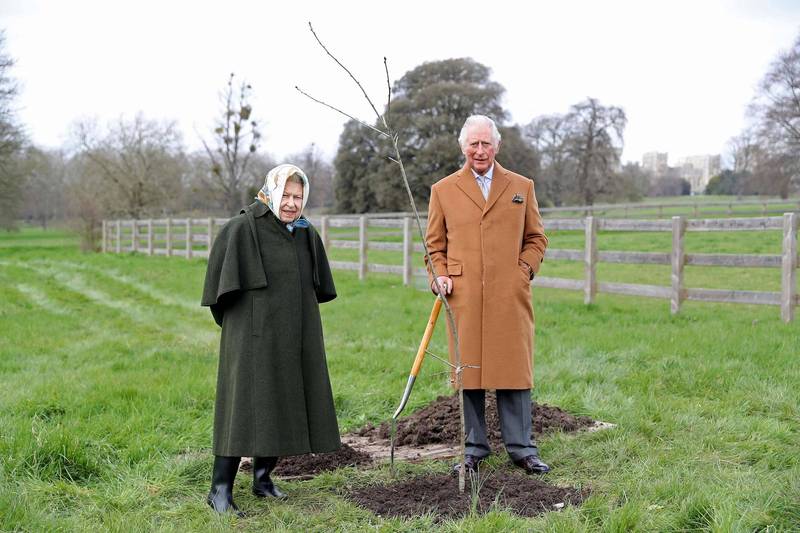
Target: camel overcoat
{"type": "Point", "coordinates": [480, 244]}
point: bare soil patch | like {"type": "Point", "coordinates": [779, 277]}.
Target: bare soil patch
{"type": "Point", "coordinates": [438, 494]}
{"type": "Point", "coordinates": [438, 423]}
{"type": "Point", "coordinates": [433, 432]}
{"type": "Point", "coordinates": [309, 465]}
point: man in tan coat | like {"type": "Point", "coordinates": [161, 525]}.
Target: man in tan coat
{"type": "Point", "coordinates": [486, 243]}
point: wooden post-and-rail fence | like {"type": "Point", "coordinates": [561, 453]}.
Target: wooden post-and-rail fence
{"type": "Point", "coordinates": [193, 237]}
{"type": "Point", "coordinates": [693, 209]}
{"type": "Point", "coordinates": [166, 236]}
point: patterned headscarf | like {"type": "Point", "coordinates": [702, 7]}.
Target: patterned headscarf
{"type": "Point", "coordinates": [276, 182]}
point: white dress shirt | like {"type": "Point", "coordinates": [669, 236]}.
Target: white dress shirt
{"type": "Point", "coordinates": [484, 181]}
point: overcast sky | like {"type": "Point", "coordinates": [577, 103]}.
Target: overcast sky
{"type": "Point", "coordinates": [683, 71]}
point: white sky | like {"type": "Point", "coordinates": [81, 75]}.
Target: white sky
{"type": "Point", "coordinates": [683, 71]}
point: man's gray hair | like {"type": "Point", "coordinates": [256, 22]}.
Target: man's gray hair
{"type": "Point", "coordinates": [479, 120]}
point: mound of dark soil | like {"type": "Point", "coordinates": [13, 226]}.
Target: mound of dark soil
{"type": "Point", "coordinates": [438, 494]}
{"type": "Point", "coordinates": [311, 464]}
{"type": "Point", "coordinates": [439, 422]}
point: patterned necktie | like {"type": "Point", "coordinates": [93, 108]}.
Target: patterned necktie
{"type": "Point", "coordinates": [484, 183]}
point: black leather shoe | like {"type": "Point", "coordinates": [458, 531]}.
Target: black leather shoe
{"type": "Point", "coordinates": [532, 465]}
{"type": "Point", "coordinates": [263, 486]}
{"type": "Point", "coordinates": [220, 497]}
{"type": "Point", "coordinates": [471, 463]}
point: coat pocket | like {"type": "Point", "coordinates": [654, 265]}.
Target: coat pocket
{"type": "Point", "coordinates": [259, 313]}
{"type": "Point", "coordinates": [453, 269]}
{"type": "Point", "coordinates": [526, 274]}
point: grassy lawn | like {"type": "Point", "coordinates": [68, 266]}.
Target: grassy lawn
{"type": "Point", "coordinates": [108, 369]}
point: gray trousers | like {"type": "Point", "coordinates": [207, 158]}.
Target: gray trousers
{"type": "Point", "coordinates": [514, 408]}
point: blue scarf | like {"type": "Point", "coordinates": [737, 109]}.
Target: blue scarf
{"type": "Point", "coordinates": [299, 223]}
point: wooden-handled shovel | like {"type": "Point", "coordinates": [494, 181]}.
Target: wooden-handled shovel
{"type": "Point", "coordinates": [426, 338]}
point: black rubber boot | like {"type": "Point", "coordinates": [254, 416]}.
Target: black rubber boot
{"type": "Point", "coordinates": [220, 498]}
{"type": "Point", "coordinates": [262, 484]}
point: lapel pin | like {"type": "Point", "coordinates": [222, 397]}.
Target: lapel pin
{"type": "Point", "coordinates": [517, 199]}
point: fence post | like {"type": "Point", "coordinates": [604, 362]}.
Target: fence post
{"type": "Point", "coordinates": [119, 236]}
{"type": "Point", "coordinates": [210, 235]}
{"type": "Point", "coordinates": [696, 211]}
{"type": "Point", "coordinates": [135, 235]}
{"type": "Point", "coordinates": [149, 236]}
{"type": "Point", "coordinates": [103, 247]}
{"type": "Point", "coordinates": [678, 258]}
{"type": "Point", "coordinates": [789, 267]}
{"type": "Point", "coordinates": [408, 249]}
{"type": "Point", "coordinates": [362, 247]}
{"type": "Point", "coordinates": [590, 261]}
{"type": "Point", "coordinates": [188, 238]}
{"type": "Point", "coordinates": [324, 234]}
{"type": "Point", "coordinates": [730, 208]}
{"type": "Point", "coordinates": [168, 236]}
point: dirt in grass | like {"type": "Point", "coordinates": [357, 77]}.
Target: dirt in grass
{"type": "Point", "coordinates": [438, 494]}
{"type": "Point", "coordinates": [438, 422]}
{"type": "Point", "coordinates": [311, 464]}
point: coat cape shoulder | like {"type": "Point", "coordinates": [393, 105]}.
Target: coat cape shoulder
{"type": "Point", "coordinates": [234, 263]}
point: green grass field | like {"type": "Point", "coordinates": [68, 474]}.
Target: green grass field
{"type": "Point", "coordinates": [108, 366]}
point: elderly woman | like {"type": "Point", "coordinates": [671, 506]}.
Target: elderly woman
{"type": "Point", "coordinates": [267, 273]}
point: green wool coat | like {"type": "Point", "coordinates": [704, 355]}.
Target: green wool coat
{"type": "Point", "coordinates": [263, 285]}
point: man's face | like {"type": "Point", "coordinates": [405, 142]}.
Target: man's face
{"type": "Point", "coordinates": [292, 201]}
{"type": "Point", "coordinates": [479, 149]}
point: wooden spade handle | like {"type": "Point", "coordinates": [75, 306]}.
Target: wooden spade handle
{"type": "Point", "coordinates": [426, 338]}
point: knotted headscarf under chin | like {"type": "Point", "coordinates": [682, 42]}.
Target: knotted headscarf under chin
{"type": "Point", "coordinates": [275, 183]}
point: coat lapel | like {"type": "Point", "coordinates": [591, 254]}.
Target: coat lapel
{"type": "Point", "coordinates": [500, 182]}
{"type": "Point", "coordinates": [467, 183]}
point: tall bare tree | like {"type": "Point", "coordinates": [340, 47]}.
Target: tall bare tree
{"type": "Point", "coordinates": [743, 152]}
{"type": "Point", "coordinates": [141, 161]}
{"type": "Point", "coordinates": [43, 187]}
{"type": "Point", "coordinates": [595, 144]}
{"type": "Point", "coordinates": [11, 142]}
{"type": "Point", "coordinates": [777, 103]}
{"type": "Point", "coordinates": [775, 111]}
{"type": "Point", "coordinates": [90, 198]}
{"type": "Point", "coordinates": [742, 149]}
{"type": "Point", "coordinates": [579, 154]}
{"type": "Point", "coordinates": [549, 134]}
{"type": "Point", "coordinates": [776, 169]}
{"type": "Point", "coordinates": [236, 139]}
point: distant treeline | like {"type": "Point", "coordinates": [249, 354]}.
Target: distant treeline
{"type": "Point", "coordinates": [139, 167]}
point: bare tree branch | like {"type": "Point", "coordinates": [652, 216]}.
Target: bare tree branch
{"type": "Point", "coordinates": [345, 69]}
{"type": "Point", "coordinates": [373, 128]}
{"type": "Point", "coordinates": [388, 92]}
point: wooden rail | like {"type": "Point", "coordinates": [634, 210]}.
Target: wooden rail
{"type": "Point", "coordinates": [193, 237]}
{"type": "Point", "coordinates": [731, 207]}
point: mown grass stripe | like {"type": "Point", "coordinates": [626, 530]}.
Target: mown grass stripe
{"type": "Point", "coordinates": [40, 299]}
{"type": "Point", "coordinates": [126, 307]}
{"type": "Point", "coordinates": [152, 292]}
